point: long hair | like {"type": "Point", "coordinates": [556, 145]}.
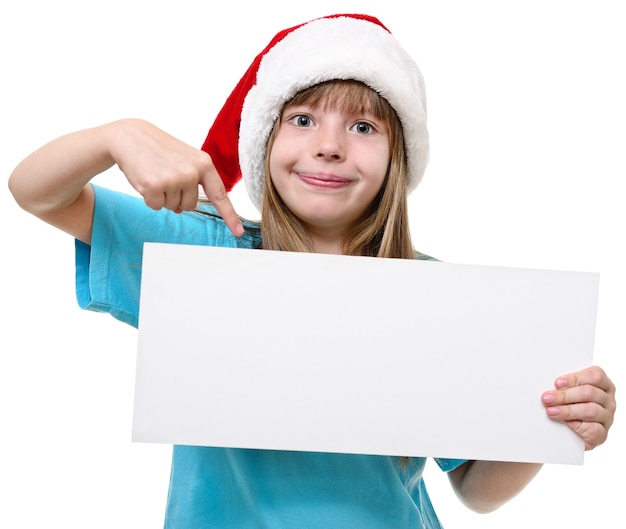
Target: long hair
{"type": "Point", "coordinates": [384, 229]}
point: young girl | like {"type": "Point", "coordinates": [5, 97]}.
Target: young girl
{"type": "Point", "coordinates": [327, 129]}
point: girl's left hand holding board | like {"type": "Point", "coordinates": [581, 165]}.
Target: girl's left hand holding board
{"type": "Point", "coordinates": [51, 183]}
{"type": "Point", "coordinates": [585, 402]}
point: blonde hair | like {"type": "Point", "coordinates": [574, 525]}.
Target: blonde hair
{"type": "Point", "coordinates": [384, 231]}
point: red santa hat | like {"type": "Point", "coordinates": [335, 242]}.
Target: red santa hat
{"type": "Point", "coordinates": [343, 46]}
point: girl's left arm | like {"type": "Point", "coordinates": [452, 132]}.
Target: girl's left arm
{"type": "Point", "coordinates": [584, 401]}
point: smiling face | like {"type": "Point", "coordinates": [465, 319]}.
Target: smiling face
{"type": "Point", "coordinates": [328, 163]}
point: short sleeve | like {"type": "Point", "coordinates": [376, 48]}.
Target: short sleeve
{"type": "Point", "coordinates": [449, 464]}
{"type": "Point", "coordinates": [108, 272]}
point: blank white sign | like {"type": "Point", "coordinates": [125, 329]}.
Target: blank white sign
{"type": "Point", "coordinates": [279, 350]}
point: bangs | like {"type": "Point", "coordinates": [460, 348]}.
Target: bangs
{"type": "Point", "coordinates": [348, 95]}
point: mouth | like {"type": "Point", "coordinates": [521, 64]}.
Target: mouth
{"type": "Point", "coordinates": [329, 181]}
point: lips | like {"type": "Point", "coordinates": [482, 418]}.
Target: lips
{"type": "Point", "coordinates": [330, 181]}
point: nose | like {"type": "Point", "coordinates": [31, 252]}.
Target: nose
{"type": "Point", "coordinates": [330, 143]}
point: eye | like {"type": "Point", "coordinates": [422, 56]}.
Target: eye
{"type": "Point", "coordinates": [301, 120]}
{"type": "Point", "coordinates": [362, 127]}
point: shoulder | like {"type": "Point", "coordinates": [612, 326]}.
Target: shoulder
{"type": "Point", "coordinates": [127, 219]}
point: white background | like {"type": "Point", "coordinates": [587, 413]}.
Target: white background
{"type": "Point", "coordinates": [527, 116]}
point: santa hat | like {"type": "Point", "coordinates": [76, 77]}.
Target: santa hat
{"type": "Point", "coordinates": [344, 46]}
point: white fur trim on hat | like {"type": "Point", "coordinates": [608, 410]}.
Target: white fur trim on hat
{"type": "Point", "coordinates": [322, 50]}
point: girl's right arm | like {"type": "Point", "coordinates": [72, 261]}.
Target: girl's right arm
{"type": "Point", "coordinates": [51, 183]}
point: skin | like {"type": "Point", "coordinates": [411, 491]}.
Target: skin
{"type": "Point", "coordinates": [584, 401]}
{"type": "Point", "coordinates": [52, 184]}
{"type": "Point", "coordinates": [328, 166]}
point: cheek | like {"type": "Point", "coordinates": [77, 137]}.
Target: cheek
{"type": "Point", "coordinates": [278, 156]}
{"type": "Point", "coordinates": [381, 167]}
{"type": "Point", "coordinates": [379, 156]}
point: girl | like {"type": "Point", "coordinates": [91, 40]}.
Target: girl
{"type": "Point", "coordinates": [327, 129]}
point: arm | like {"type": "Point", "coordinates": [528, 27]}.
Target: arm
{"type": "Point", "coordinates": [51, 183]}
{"type": "Point", "coordinates": [483, 486]}
{"type": "Point", "coordinates": [584, 401]}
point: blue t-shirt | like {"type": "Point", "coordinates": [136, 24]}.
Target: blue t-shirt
{"type": "Point", "coordinates": [239, 488]}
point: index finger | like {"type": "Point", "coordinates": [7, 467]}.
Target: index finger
{"type": "Point", "coordinates": [216, 193]}
{"type": "Point", "coordinates": [593, 375]}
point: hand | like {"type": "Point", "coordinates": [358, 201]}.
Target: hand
{"type": "Point", "coordinates": [584, 401]}
{"type": "Point", "coordinates": [167, 172]}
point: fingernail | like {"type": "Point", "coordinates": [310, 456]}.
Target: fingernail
{"type": "Point", "coordinates": [561, 382]}
{"type": "Point", "coordinates": [548, 398]}
{"type": "Point", "coordinates": [553, 412]}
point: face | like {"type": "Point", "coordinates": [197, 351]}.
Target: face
{"type": "Point", "coordinates": [328, 165]}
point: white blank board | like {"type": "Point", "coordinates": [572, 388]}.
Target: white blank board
{"type": "Point", "coordinates": [278, 350]}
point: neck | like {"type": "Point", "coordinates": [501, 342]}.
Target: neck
{"type": "Point", "coordinates": [327, 242]}
{"type": "Point", "coordinates": [323, 247]}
